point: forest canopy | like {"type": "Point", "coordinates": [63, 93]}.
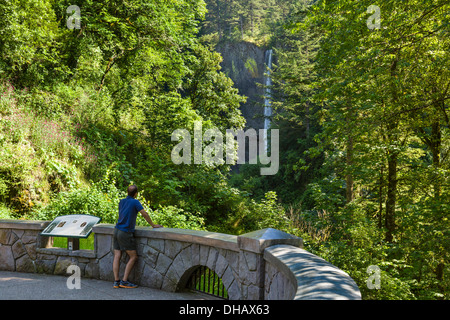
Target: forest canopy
{"type": "Point", "coordinates": [360, 95]}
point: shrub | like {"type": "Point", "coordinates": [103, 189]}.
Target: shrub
{"type": "Point", "coordinates": [269, 214]}
{"type": "Point", "coordinates": [98, 199]}
{"type": "Point", "coordinates": [5, 212]}
{"type": "Point", "coordinates": [173, 217]}
{"type": "Point", "coordinates": [102, 200]}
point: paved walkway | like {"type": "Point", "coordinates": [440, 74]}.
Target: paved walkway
{"type": "Point", "coordinates": [31, 286]}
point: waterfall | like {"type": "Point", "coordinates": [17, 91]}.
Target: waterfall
{"type": "Point", "coordinates": [267, 107]}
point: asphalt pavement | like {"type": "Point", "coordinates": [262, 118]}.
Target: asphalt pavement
{"type": "Point", "coordinates": [32, 286]}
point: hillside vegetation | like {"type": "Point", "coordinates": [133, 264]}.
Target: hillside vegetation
{"type": "Point", "coordinates": [362, 108]}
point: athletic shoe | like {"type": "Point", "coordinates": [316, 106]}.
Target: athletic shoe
{"type": "Point", "coordinates": [127, 284]}
{"type": "Point", "coordinates": [116, 284]}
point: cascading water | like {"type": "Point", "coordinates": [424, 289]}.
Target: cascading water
{"type": "Point", "coordinates": [267, 106]}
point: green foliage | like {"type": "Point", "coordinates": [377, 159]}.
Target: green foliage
{"type": "Point", "coordinates": [101, 199]}
{"type": "Point", "coordinates": [363, 119]}
{"type": "Point", "coordinates": [251, 66]}
{"type": "Point", "coordinates": [353, 99]}
{"type": "Point", "coordinates": [133, 74]}
{"type": "Point", "coordinates": [249, 20]}
{"type": "Point", "coordinates": [29, 32]}
{"type": "Point", "coordinates": [5, 212]}
{"type": "Point", "coordinates": [173, 217]}
{"type": "Point", "coordinates": [268, 213]}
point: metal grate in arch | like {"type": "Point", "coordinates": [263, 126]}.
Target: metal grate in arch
{"type": "Point", "coordinates": [207, 281]}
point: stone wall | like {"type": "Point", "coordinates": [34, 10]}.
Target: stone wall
{"type": "Point", "coordinates": [294, 273]}
{"type": "Point", "coordinates": [22, 249]}
{"type": "Point", "coordinates": [169, 256]}
{"type": "Point", "coordinates": [264, 264]}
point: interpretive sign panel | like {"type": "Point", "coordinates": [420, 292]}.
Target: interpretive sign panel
{"type": "Point", "coordinates": [71, 226]}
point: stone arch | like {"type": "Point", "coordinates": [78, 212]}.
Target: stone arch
{"type": "Point", "coordinates": [194, 279]}
{"type": "Point", "coordinates": [194, 256]}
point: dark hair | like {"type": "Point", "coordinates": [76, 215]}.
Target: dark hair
{"type": "Point", "coordinates": [132, 190]}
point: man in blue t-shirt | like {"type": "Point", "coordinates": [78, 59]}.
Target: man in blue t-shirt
{"type": "Point", "coordinates": [124, 235]}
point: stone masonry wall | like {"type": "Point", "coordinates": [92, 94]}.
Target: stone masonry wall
{"type": "Point", "coordinates": [22, 249]}
{"type": "Point", "coordinates": [294, 273]}
{"type": "Point", "coordinates": [167, 257]}
{"type": "Point", "coordinates": [248, 266]}
{"type": "Point", "coordinates": [18, 247]}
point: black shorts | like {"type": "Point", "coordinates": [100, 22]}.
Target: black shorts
{"type": "Point", "coordinates": [123, 240]}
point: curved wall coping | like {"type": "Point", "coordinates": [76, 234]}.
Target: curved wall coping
{"type": "Point", "coordinates": [255, 241]}
{"type": "Point", "coordinates": [213, 239]}
{"type": "Point", "coordinates": [315, 278]}
{"type": "Point", "coordinates": [23, 224]}
{"type": "Point", "coordinates": [307, 275]}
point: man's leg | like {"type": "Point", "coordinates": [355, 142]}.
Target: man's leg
{"type": "Point", "coordinates": [116, 264]}
{"type": "Point", "coordinates": [130, 264]}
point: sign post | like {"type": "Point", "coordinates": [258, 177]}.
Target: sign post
{"type": "Point", "coordinates": [73, 243]}
{"type": "Point", "coordinates": [73, 227]}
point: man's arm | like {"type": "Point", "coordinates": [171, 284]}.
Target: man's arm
{"type": "Point", "coordinates": [148, 219]}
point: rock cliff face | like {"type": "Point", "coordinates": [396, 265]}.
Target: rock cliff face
{"type": "Point", "coordinates": [244, 63]}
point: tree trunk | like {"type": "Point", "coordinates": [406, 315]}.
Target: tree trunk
{"type": "Point", "coordinates": [349, 175]}
{"type": "Point", "coordinates": [380, 199]}
{"type": "Point", "coordinates": [391, 195]}
{"type": "Point", "coordinates": [392, 156]}
{"type": "Point", "coordinates": [307, 120]}
{"type": "Point", "coordinates": [219, 19]}
{"type": "Point", "coordinates": [242, 27]}
{"type": "Point", "coordinates": [349, 156]}
{"type": "Point", "coordinates": [251, 19]}
{"type": "Point", "coordinates": [436, 152]}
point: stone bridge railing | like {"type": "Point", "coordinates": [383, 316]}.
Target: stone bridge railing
{"type": "Point", "coordinates": [265, 264]}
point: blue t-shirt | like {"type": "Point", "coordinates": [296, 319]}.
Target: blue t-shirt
{"type": "Point", "coordinates": [128, 210]}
